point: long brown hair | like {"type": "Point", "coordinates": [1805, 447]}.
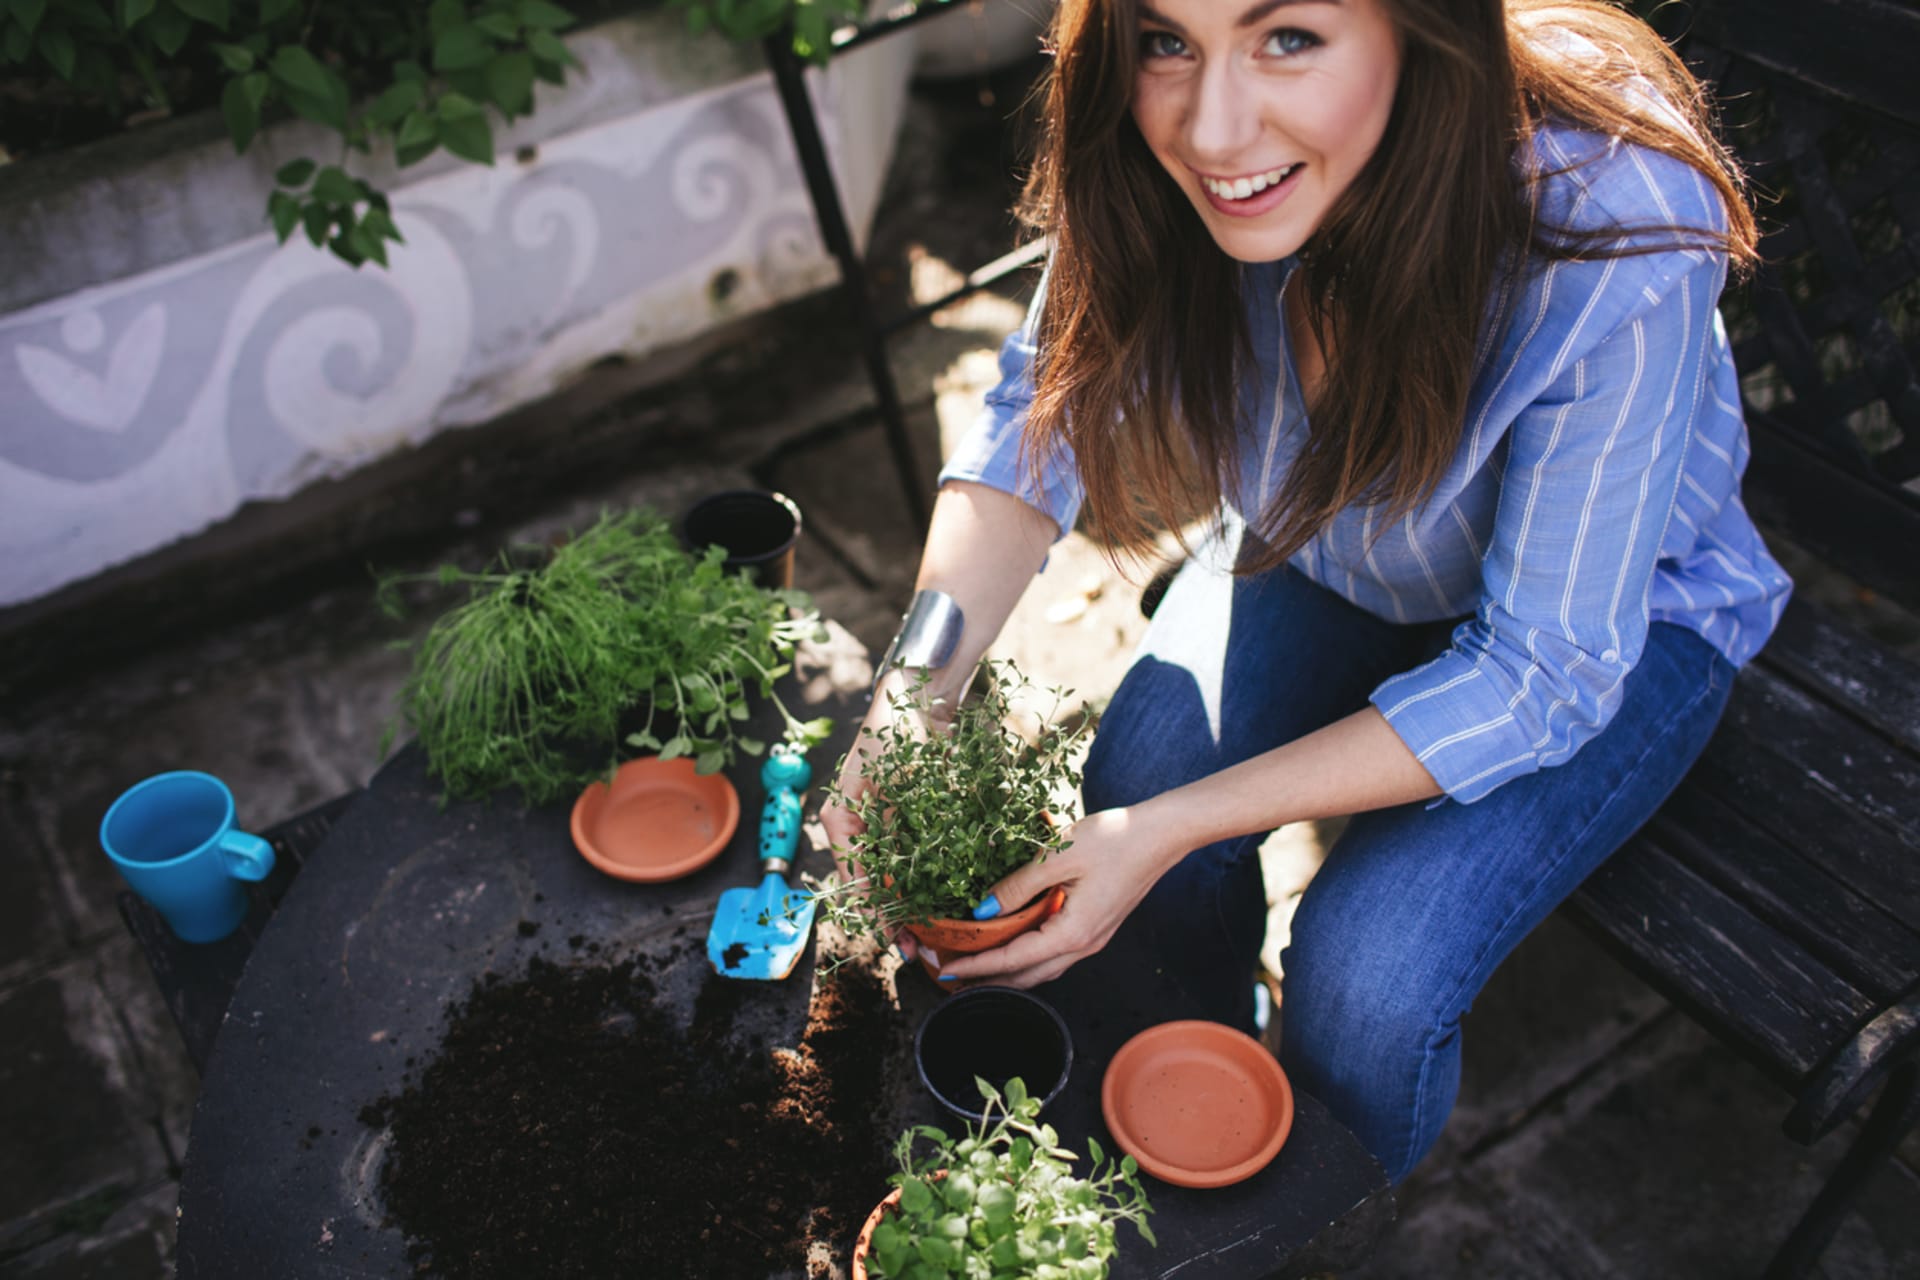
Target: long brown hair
{"type": "Point", "coordinates": [1142, 336]}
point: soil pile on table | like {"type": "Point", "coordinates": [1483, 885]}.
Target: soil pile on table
{"type": "Point", "coordinates": [570, 1128]}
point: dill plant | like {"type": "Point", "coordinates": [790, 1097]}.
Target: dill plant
{"type": "Point", "coordinates": [528, 681]}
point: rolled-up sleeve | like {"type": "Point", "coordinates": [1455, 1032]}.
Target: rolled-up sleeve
{"type": "Point", "coordinates": [990, 452]}
{"type": "Point", "coordinates": [1592, 469]}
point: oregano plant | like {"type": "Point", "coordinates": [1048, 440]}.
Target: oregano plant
{"type": "Point", "coordinates": [1002, 1199]}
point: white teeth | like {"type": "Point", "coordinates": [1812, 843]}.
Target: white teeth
{"type": "Point", "coordinates": [1241, 188]}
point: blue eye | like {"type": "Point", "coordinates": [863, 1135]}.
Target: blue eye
{"type": "Point", "coordinates": [1291, 40]}
{"type": "Point", "coordinates": [1161, 44]}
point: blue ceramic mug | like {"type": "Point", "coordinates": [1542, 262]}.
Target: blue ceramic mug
{"type": "Point", "coordinates": [174, 841]}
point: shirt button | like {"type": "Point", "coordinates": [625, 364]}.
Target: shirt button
{"type": "Point", "coordinates": [1610, 657]}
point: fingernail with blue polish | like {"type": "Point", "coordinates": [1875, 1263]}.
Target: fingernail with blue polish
{"type": "Point", "coordinates": [902, 953]}
{"type": "Point", "coordinates": [989, 908]}
{"type": "Point", "coordinates": [947, 977]}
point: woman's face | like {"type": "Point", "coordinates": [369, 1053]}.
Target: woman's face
{"type": "Point", "coordinates": [1264, 111]}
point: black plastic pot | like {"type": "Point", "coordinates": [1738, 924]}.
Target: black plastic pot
{"type": "Point", "coordinates": [758, 528]}
{"type": "Point", "coordinates": [995, 1033]}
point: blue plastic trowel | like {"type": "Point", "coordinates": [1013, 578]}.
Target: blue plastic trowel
{"type": "Point", "coordinates": [760, 932]}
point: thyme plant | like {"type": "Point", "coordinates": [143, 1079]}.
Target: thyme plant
{"type": "Point", "coordinates": [526, 683]}
{"type": "Point", "coordinates": [1009, 1206]}
{"type": "Point", "coordinates": [948, 814]}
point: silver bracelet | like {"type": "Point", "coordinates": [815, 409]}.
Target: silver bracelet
{"type": "Point", "coordinates": [929, 633]}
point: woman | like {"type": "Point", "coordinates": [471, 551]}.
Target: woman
{"type": "Point", "coordinates": [1421, 293]}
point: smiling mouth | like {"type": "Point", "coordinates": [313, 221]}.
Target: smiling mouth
{"type": "Point", "coordinates": [1248, 187]}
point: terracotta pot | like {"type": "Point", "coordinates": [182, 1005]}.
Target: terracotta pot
{"type": "Point", "coordinates": [964, 937]}
{"type": "Point", "coordinates": [864, 1241]}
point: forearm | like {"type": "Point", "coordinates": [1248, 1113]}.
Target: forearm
{"type": "Point", "coordinates": [1350, 766]}
{"type": "Point", "coordinates": [983, 548]}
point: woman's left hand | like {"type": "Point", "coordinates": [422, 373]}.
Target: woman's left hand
{"type": "Point", "coordinates": [1108, 864]}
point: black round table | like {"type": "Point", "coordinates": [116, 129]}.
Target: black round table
{"type": "Point", "coordinates": [408, 901]}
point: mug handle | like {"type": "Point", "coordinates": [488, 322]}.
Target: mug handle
{"type": "Point", "coordinates": [245, 856]}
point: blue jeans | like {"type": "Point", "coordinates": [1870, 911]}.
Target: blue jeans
{"type": "Point", "coordinates": [1415, 906]}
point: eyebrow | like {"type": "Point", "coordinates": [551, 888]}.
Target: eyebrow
{"type": "Point", "coordinates": [1252, 17]}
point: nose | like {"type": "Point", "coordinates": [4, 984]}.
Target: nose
{"type": "Point", "coordinates": [1221, 121]}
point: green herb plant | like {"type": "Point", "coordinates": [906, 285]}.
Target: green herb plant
{"type": "Point", "coordinates": [526, 683]}
{"type": "Point", "coordinates": [949, 814]}
{"type": "Point", "coordinates": [1009, 1206]}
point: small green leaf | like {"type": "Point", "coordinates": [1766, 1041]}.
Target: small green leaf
{"type": "Point", "coordinates": [378, 222]}
{"type": "Point", "coordinates": [274, 10]}
{"type": "Point", "coordinates": [320, 110]}
{"type": "Point", "coordinates": [284, 210]}
{"type": "Point", "coordinates": [235, 58]}
{"type": "Point", "coordinates": [298, 69]}
{"type": "Point", "coordinates": [675, 748]}
{"type": "Point", "coordinates": [335, 187]}
{"type": "Point", "coordinates": [168, 28]}
{"type": "Point", "coordinates": [57, 47]}
{"type": "Point", "coordinates": [418, 138]}
{"type": "Point", "coordinates": [547, 46]}
{"type": "Point", "coordinates": [407, 70]}
{"type": "Point", "coordinates": [551, 72]}
{"type": "Point", "coordinates": [710, 761]}
{"type": "Point", "coordinates": [242, 113]}
{"type": "Point", "coordinates": [317, 219]}
{"type": "Point", "coordinates": [444, 15]}
{"type": "Point", "coordinates": [458, 106]}
{"type": "Point", "coordinates": [211, 12]}
{"type": "Point", "coordinates": [131, 11]}
{"type": "Point", "coordinates": [510, 82]}
{"type": "Point", "coordinates": [392, 106]}
{"type": "Point", "coordinates": [538, 13]}
{"type": "Point", "coordinates": [461, 48]}
{"type": "Point", "coordinates": [256, 85]}
{"type": "Point", "coordinates": [470, 139]}
{"type": "Point", "coordinates": [28, 13]}
{"type": "Point", "coordinates": [294, 173]}
{"type": "Point", "coordinates": [498, 25]}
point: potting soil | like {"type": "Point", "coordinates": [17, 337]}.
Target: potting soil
{"type": "Point", "coordinates": [569, 1127]}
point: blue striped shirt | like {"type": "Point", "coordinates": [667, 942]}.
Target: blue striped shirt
{"type": "Point", "coordinates": [1596, 488]}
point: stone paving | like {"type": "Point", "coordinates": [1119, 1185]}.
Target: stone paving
{"type": "Point", "coordinates": [1599, 1134]}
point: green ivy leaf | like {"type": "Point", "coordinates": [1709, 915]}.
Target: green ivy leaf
{"type": "Point", "coordinates": [294, 173]}
{"type": "Point", "coordinates": [538, 13]}
{"type": "Point", "coordinates": [274, 10]}
{"type": "Point", "coordinates": [408, 71]}
{"type": "Point", "coordinates": [211, 12]}
{"type": "Point", "coordinates": [461, 48]}
{"type": "Point", "coordinates": [131, 11]}
{"type": "Point", "coordinates": [335, 187]}
{"type": "Point", "coordinates": [298, 69]}
{"type": "Point", "coordinates": [551, 72]}
{"type": "Point", "coordinates": [57, 47]}
{"type": "Point", "coordinates": [242, 114]}
{"type": "Point", "coordinates": [284, 210]}
{"type": "Point", "coordinates": [510, 83]}
{"type": "Point", "coordinates": [236, 58]}
{"type": "Point", "coordinates": [418, 138]}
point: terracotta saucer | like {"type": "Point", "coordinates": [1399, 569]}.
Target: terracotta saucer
{"type": "Point", "coordinates": [658, 820]}
{"type": "Point", "coordinates": [1198, 1104]}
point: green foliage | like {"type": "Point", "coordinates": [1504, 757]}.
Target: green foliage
{"type": "Point", "coordinates": [526, 682]}
{"type": "Point", "coordinates": [951, 813]}
{"type": "Point", "coordinates": [420, 77]}
{"type": "Point", "coordinates": [814, 21]}
{"type": "Point", "coordinates": [1009, 1205]}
